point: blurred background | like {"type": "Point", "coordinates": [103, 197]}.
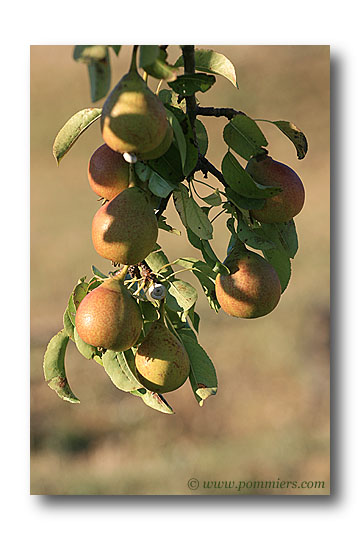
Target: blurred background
{"type": "Point", "coordinates": [270, 418]}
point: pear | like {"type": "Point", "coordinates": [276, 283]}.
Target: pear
{"type": "Point", "coordinates": [161, 361]}
{"type": "Point", "coordinates": [125, 229]}
{"type": "Point", "coordinates": [286, 204]}
{"type": "Point", "coordinates": [162, 148]}
{"type": "Point", "coordinates": [133, 119]}
{"type": "Point", "coordinates": [252, 289]}
{"type": "Point", "coordinates": [109, 317]}
{"type": "Point", "coordinates": [108, 172]}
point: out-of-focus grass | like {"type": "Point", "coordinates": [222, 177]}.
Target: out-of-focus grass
{"type": "Point", "coordinates": [270, 418]}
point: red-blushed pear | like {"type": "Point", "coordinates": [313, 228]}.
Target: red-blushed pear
{"type": "Point", "coordinates": [109, 316]}
{"type": "Point", "coordinates": [161, 361]}
{"type": "Point", "coordinates": [125, 229]}
{"type": "Point", "coordinates": [286, 204]}
{"type": "Point", "coordinates": [133, 118]}
{"type": "Point", "coordinates": [108, 172]}
{"type": "Point", "coordinates": [252, 289]}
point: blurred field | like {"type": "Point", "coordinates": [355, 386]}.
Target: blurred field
{"type": "Point", "coordinates": [270, 418]}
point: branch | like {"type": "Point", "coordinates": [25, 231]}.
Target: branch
{"type": "Point", "coordinates": [205, 166]}
{"type": "Point", "coordinates": [217, 111]}
{"type": "Point", "coordinates": [189, 68]}
{"type": "Point", "coordinates": [162, 206]}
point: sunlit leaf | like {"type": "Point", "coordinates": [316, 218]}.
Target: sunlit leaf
{"type": "Point", "coordinates": [212, 62]}
{"type": "Point", "coordinates": [54, 367]}
{"type": "Point", "coordinates": [202, 372]}
{"type": "Point", "coordinates": [191, 215]}
{"type": "Point", "coordinates": [72, 130]}
{"type": "Point", "coordinates": [296, 136]}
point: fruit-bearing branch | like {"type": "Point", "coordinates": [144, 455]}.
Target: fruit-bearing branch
{"type": "Point", "coordinates": [228, 112]}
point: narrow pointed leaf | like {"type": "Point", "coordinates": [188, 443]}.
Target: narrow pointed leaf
{"type": "Point", "coordinates": [54, 367]}
{"type": "Point", "coordinates": [148, 55]}
{"type": "Point", "coordinates": [255, 238]}
{"type": "Point", "coordinates": [191, 215]}
{"type": "Point", "coordinates": [100, 78]}
{"type": "Point", "coordinates": [72, 130]}
{"type": "Point", "coordinates": [296, 136]}
{"type": "Point", "coordinates": [86, 350]}
{"type": "Point", "coordinates": [119, 372]}
{"type": "Point", "coordinates": [202, 372]}
{"type": "Point", "coordinates": [201, 136]}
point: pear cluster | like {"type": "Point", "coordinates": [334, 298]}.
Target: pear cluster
{"type": "Point", "coordinates": [125, 230]}
{"type": "Point", "coordinates": [253, 289]}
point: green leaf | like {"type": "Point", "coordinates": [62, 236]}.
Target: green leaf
{"type": "Point", "coordinates": [115, 48]}
{"type": "Point", "coordinates": [98, 272]}
{"type": "Point", "coordinates": [68, 325]}
{"type": "Point", "coordinates": [86, 350]}
{"type": "Point", "coordinates": [178, 133]}
{"type": "Point", "coordinates": [243, 203]}
{"type": "Point", "coordinates": [241, 181]}
{"type": "Point", "coordinates": [54, 367]}
{"type": "Point", "coordinates": [157, 402]}
{"type": "Point", "coordinates": [160, 69]}
{"type": "Point", "coordinates": [119, 372]}
{"type": "Point", "coordinates": [148, 55]}
{"type": "Point", "coordinates": [181, 296]}
{"type": "Point", "coordinates": [191, 215]}
{"type": "Point", "coordinates": [214, 199]}
{"type": "Point", "coordinates": [168, 166]}
{"type": "Point", "coordinates": [202, 372]}
{"type": "Point", "coordinates": [189, 158]}
{"type": "Point", "coordinates": [201, 136]}
{"type": "Point", "coordinates": [100, 78]}
{"type": "Point", "coordinates": [206, 277]}
{"type": "Point", "coordinates": [89, 53]}
{"type": "Point", "coordinates": [278, 257]}
{"type": "Point", "coordinates": [244, 136]}
{"type": "Point", "coordinates": [288, 237]}
{"type": "Point", "coordinates": [156, 260]}
{"type": "Point", "coordinates": [210, 255]}
{"type": "Point", "coordinates": [72, 130]}
{"type": "Point", "coordinates": [212, 62]}
{"type": "Point", "coordinates": [253, 237]}
{"type": "Point", "coordinates": [76, 296]}
{"type": "Point", "coordinates": [168, 97]}
{"type": "Point", "coordinates": [166, 227]}
{"type": "Point", "coordinates": [149, 311]}
{"type": "Point", "coordinates": [296, 136]}
{"type": "Point", "coordinates": [188, 84]}
{"type": "Point", "coordinates": [157, 185]}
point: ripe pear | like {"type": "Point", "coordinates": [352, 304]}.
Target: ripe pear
{"type": "Point", "coordinates": [161, 361]}
{"type": "Point", "coordinates": [125, 229]}
{"type": "Point", "coordinates": [252, 289]}
{"type": "Point", "coordinates": [162, 148]}
{"type": "Point", "coordinates": [109, 317]}
{"type": "Point", "coordinates": [133, 118]}
{"type": "Point", "coordinates": [286, 204]}
{"type": "Point", "coordinates": [108, 172]}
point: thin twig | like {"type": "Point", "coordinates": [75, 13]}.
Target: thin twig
{"type": "Point", "coordinates": [228, 112]}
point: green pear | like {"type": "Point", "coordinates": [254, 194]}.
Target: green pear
{"type": "Point", "coordinates": [252, 289]}
{"type": "Point", "coordinates": [109, 317]}
{"type": "Point", "coordinates": [162, 363]}
{"type": "Point", "coordinates": [133, 118]}
{"type": "Point", "coordinates": [125, 229]}
{"type": "Point", "coordinates": [108, 172]}
{"type": "Point", "coordinates": [286, 204]}
{"type": "Point", "coordinates": [162, 148]}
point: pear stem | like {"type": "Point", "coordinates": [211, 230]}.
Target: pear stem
{"type": "Point", "coordinates": [122, 274]}
{"type": "Point", "coordinates": [133, 66]}
{"type": "Point", "coordinates": [132, 175]}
